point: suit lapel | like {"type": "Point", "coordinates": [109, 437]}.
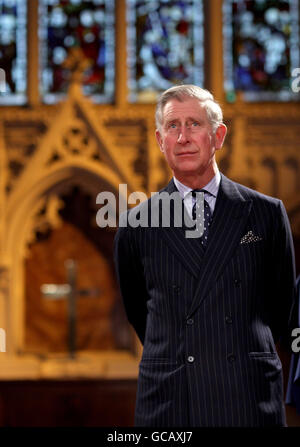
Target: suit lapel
{"type": "Point", "coordinates": [188, 250]}
{"type": "Point", "coordinates": [229, 220]}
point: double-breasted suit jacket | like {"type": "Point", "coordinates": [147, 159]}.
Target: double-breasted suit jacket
{"type": "Point", "coordinates": [209, 320]}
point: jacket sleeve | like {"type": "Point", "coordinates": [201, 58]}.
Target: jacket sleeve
{"type": "Point", "coordinates": [131, 281]}
{"type": "Point", "coordinates": [285, 300]}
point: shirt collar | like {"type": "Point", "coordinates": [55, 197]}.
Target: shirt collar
{"type": "Point", "coordinates": [212, 186]}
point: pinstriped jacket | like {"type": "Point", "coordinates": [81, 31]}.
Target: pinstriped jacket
{"type": "Point", "coordinates": [209, 320]}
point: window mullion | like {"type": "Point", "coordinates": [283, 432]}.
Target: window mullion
{"type": "Point", "coordinates": [33, 53]}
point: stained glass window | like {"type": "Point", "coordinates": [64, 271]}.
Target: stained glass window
{"type": "Point", "coordinates": [77, 33]}
{"type": "Point", "coordinates": [261, 48]}
{"type": "Point", "coordinates": [13, 51]}
{"type": "Point", "coordinates": [165, 46]}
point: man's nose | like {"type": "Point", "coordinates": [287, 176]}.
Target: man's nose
{"type": "Point", "coordinates": [183, 135]}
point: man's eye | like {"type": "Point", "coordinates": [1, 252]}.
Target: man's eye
{"type": "Point", "coordinates": [195, 124]}
{"type": "Point", "coordinates": [172, 126]}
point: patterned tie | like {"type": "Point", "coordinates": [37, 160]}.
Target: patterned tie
{"type": "Point", "coordinates": [207, 216]}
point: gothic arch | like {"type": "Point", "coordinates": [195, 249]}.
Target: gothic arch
{"type": "Point", "coordinates": [22, 213]}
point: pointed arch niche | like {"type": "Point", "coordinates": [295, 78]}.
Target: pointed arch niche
{"type": "Point", "coordinates": [82, 151]}
{"type": "Point", "coordinates": [38, 213]}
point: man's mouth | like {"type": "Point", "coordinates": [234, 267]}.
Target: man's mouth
{"type": "Point", "coordinates": [181, 154]}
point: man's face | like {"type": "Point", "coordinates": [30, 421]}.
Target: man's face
{"type": "Point", "coordinates": [186, 138]}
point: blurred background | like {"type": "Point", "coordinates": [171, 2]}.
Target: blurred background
{"type": "Point", "coordinates": [78, 85]}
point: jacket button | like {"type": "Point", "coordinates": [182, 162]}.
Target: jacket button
{"type": "Point", "coordinates": [237, 281]}
{"type": "Point", "coordinates": [176, 288]}
{"type": "Point", "coordinates": [231, 358]}
{"type": "Point", "coordinates": [190, 321]}
{"type": "Point", "coordinates": [190, 359]}
{"type": "Point", "coordinates": [228, 319]}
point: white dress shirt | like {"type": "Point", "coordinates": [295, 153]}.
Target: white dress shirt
{"type": "Point", "coordinates": [212, 187]}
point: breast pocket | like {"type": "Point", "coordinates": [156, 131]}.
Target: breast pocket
{"type": "Point", "coordinates": [266, 355]}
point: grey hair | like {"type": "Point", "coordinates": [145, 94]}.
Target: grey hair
{"type": "Point", "coordinates": [182, 92]}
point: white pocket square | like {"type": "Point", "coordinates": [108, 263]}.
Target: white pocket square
{"type": "Point", "coordinates": [250, 237]}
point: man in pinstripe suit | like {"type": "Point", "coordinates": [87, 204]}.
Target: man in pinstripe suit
{"type": "Point", "coordinates": [208, 311]}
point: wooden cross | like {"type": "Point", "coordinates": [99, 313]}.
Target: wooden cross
{"type": "Point", "coordinates": [70, 292]}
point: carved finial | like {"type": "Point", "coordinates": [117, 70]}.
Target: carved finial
{"type": "Point", "coordinates": [77, 63]}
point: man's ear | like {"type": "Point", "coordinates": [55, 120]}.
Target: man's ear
{"type": "Point", "coordinates": [159, 139]}
{"type": "Point", "coordinates": [220, 135]}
